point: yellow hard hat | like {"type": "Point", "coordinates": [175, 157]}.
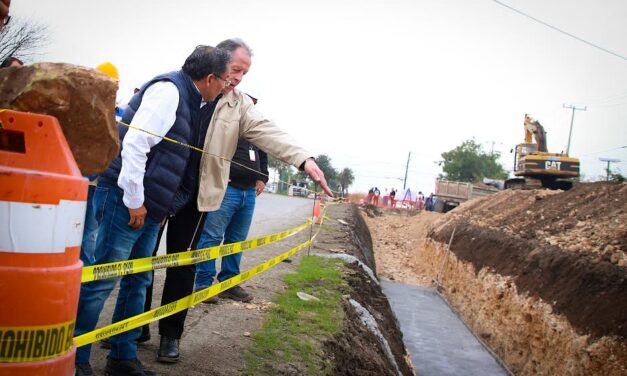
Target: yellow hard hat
{"type": "Point", "coordinates": [110, 70]}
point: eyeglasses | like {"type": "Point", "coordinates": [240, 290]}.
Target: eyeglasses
{"type": "Point", "coordinates": [226, 82]}
{"type": "Point", "coordinates": [6, 20]}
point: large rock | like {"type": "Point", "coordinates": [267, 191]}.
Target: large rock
{"type": "Point", "coordinates": [82, 99]}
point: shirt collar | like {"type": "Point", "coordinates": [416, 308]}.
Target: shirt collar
{"type": "Point", "coordinates": [202, 101]}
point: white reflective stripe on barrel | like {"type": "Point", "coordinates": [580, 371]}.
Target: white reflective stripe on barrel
{"type": "Point", "coordinates": [41, 228]}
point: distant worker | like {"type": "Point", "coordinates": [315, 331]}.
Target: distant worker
{"type": "Point", "coordinates": [370, 196]}
{"type": "Point", "coordinates": [377, 193]}
{"type": "Point", "coordinates": [90, 229]}
{"type": "Point", "coordinates": [430, 202]}
{"type": "Point", "coordinates": [393, 198]}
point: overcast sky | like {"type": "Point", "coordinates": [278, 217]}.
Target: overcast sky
{"type": "Point", "coordinates": [367, 82]}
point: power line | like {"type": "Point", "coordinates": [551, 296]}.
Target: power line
{"type": "Point", "coordinates": [560, 30]}
{"type": "Point", "coordinates": [611, 105]}
{"type": "Point", "coordinates": [604, 151]}
{"type": "Point", "coordinates": [609, 99]}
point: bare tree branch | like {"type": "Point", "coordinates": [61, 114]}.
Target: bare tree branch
{"type": "Point", "coordinates": [22, 39]}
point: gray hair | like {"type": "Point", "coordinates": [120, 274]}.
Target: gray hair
{"type": "Point", "coordinates": [233, 44]}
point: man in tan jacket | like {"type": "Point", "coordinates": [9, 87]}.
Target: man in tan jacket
{"type": "Point", "coordinates": [234, 116]}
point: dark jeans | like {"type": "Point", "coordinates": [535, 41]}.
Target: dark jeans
{"type": "Point", "coordinates": [179, 281]}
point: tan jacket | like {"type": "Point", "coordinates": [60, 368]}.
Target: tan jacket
{"type": "Point", "coordinates": [235, 115]}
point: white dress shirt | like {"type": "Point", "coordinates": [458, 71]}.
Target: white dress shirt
{"type": "Point", "coordinates": [156, 114]}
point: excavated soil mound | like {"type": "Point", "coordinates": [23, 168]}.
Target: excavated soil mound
{"type": "Point", "coordinates": [567, 249]}
{"type": "Point", "coordinates": [590, 218]}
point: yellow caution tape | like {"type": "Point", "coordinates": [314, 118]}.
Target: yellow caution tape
{"type": "Point", "coordinates": [193, 299]}
{"type": "Point", "coordinates": [122, 268]}
{"type": "Point", "coordinates": [32, 343]}
{"type": "Point", "coordinates": [181, 304]}
{"type": "Point", "coordinates": [168, 139]}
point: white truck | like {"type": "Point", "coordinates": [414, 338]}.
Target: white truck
{"type": "Point", "coordinates": [450, 194]}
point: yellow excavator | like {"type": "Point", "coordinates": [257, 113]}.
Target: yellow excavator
{"type": "Point", "coordinates": [535, 167]}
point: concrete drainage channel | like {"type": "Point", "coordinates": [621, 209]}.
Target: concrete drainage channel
{"type": "Point", "coordinates": [439, 342]}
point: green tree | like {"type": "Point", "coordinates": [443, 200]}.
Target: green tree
{"type": "Point", "coordinates": [468, 162]}
{"type": "Point", "coordinates": [615, 176]}
{"type": "Point", "coordinates": [284, 171]}
{"type": "Point", "coordinates": [345, 179]}
{"type": "Point", "coordinates": [330, 173]}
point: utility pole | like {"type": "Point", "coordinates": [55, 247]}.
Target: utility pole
{"type": "Point", "coordinates": [572, 119]}
{"type": "Point", "coordinates": [492, 148]}
{"type": "Point", "coordinates": [406, 170]}
{"type": "Point", "coordinates": [609, 160]}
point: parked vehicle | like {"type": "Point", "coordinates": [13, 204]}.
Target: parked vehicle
{"type": "Point", "coordinates": [297, 191]}
{"type": "Point", "coordinates": [450, 194]}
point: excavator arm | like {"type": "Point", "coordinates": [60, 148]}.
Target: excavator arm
{"type": "Point", "coordinates": [533, 129]}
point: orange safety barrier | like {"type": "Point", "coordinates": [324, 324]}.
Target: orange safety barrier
{"type": "Point", "coordinates": [316, 212]}
{"type": "Point", "coordinates": [42, 210]}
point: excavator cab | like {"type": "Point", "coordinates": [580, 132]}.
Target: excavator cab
{"type": "Point", "coordinates": [535, 167]}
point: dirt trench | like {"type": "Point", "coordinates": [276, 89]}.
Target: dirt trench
{"type": "Point", "coordinates": [540, 276]}
{"type": "Point", "coordinates": [356, 350]}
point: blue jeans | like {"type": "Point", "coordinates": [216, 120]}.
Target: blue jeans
{"type": "Point", "coordinates": [93, 215]}
{"type": "Point", "coordinates": [231, 222]}
{"type": "Point", "coordinates": [116, 241]}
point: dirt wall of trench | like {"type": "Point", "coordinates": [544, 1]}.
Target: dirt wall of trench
{"type": "Point", "coordinates": [523, 330]}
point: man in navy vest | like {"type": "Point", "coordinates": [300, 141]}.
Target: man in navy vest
{"type": "Point", "coordinates": [140, 188]}
{"type": "Point", "coordinates": [235, 117]}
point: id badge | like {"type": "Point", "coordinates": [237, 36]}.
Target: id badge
{"type": "Point", "coordinates": [251, 154]}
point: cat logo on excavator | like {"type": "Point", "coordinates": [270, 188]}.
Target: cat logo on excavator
{"type": "Point", "coordinates": [552, 165]}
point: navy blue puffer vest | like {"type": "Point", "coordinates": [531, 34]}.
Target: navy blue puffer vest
{"type": "Point", "coordinates": [167, 161]}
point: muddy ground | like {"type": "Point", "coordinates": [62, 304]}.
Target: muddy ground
{"type": "Point", "coordinates": [540, 276]}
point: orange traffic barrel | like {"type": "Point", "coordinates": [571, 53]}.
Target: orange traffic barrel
{"type": "Point", "coordinates": [42, 210]}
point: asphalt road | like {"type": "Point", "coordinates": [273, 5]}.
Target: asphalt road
{"type": "Point", "coordinates": [273, 213]}
{"type": "Point", "coordinates": [276, 212]}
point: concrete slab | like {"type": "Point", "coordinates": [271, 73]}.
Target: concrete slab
{"type": "Point", "coordinates": [438, 341]}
